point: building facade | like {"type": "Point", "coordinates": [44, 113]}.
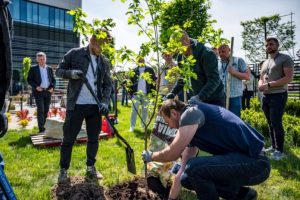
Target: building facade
{"type": "Point", "coordinates": [42, 25]}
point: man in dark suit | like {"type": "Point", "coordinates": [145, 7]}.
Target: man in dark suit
{"type": "Point", "coordinates": [42, 81]}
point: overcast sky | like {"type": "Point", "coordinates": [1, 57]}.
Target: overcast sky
{"type": "Point", "coordinates": [228, 13]}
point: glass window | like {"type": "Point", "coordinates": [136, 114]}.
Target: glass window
{"type": "Point", "coordinates": [52, 16]}
{"type": "Point", "coordinates": [23, 8]}
{"type": "Point", "coordinates": [43, 15]}
{"type": "Point", "coordinates": [61, 18]}
{"type": "Point", "coordinates": [56, 17]}
{"type": "Point", "coordinates": [29, 11]}
{"type": "Point", "coordinates": [69, 21]}
{"type": "Point", "coordinates": [15, 9]}
{"type": "Point", "coordinates": [35, 13]}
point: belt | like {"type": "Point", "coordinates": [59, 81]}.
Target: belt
{"type": "Point", "coordinates": [274, 94]}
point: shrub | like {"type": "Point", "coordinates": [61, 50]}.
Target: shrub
{"type": "Point", "coordinates": [8, 116]}
{"type": "Point", "coordinates": [291, 126]}
{"type": "Point", "coordinates": [23, 115]}
{"type": "Point", "coordinates": [258, 120]}
{"type": "Point", "coordinates": [293, 107]}
{"type": "Point", "coordinates": [255, 104]}
{"type": "Point", "coordinates": [23, 123]}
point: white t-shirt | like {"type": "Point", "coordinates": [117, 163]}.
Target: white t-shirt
{"type": "Point", "coordinates": [85, 97]}
{"type": "Point", "coordinates": [142, 82]}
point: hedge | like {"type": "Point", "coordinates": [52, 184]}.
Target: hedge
{"type": "Point", "coordinates": [291, 123]}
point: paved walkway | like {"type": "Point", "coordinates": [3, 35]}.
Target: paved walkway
{"type": "Point", "coordinates": [13, 124]}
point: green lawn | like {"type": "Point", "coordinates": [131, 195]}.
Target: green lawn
{"type": "Point", "coordinates": [33, 172]}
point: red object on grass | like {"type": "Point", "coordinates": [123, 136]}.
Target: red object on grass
{"type": "Point", "coordinates": [106, 128]}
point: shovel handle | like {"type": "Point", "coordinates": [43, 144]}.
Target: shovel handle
{"type": "Point", "coordinates": [106, 116]}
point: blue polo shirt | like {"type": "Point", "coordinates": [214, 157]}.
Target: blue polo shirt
{"type": "Point", "coordinates": [221, 132]}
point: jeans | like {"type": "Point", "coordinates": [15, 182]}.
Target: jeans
{"type": "Point", "coordinates": [42, 100]}
{"type": "Point", "coordinates": [71, 128]}
{"type": "Point", "coordinates": [235, 105]}
{"type": "Point", "coordinates": [273, 106]}
{"type": "Point", "coordinates": [224, 175]}
{"type": "Point", "coordinates": [124, 97]}
{"type": "Point", "coordinates": [136, 101]}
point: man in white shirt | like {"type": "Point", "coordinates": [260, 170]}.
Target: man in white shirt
{"type": "Point", "coordinates": [139, 90]}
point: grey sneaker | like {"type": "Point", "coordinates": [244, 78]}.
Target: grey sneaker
{"type": "Point", "coordinates": [269, 149]}
{"type": "Point", "coordinates": [277, 155]}
{"type": "Point", "coordinates": [92, 173]}
{"type": "Point", "coordinates": [63, 175]}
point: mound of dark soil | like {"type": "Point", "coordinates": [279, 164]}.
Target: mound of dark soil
{"type": "Point", "coordinates": [79, 188]}
{"type": "Point", "coordinates": [136, 190]}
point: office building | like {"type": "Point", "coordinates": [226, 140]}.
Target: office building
{"type": "Point", "coordinates": [42, 25]}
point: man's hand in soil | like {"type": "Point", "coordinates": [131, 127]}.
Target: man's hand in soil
{"type": "Point", "coordinates": [146, 156]}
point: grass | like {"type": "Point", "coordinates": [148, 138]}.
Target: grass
{"type": "Point", "coordinates": [33, 171]}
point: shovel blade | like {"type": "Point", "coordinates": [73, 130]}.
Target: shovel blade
{"type": "Point", "coordinates": [130, 160]}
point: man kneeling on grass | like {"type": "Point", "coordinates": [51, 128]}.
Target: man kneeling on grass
{"type": "Point", "coordinates": [237, 158]}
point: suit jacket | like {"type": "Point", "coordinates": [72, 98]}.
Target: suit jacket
{"type": "Point", "coordinates": [135, 80]}
{"type": "Point", "coordinates": [34, 78]}
{"type": "Point", "coordinates": [79, 58]}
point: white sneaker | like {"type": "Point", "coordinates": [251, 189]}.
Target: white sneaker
{"type": "Point", "coordinates": [131, 129]}
{"type": "Point", "coordinates": [277, 155]}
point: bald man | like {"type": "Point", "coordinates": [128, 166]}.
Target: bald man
{"type": "Point", "coordinates": [238, 72]}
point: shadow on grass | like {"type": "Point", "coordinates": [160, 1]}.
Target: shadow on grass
{"type": "Point", "coordinates": [141, 134]}
{"type": "Point", "coordinates": [289, 167]}
{"type": "Point", "coordinates": [78, 188]}
{"type": "Point", "coordinates": [21, 142]}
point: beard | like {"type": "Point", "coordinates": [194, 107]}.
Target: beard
{"type": "Point", "coordinates": [272, 51]}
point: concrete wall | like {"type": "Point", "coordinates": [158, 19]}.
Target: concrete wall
{"type": "Point", "coordinates": [65, 4]}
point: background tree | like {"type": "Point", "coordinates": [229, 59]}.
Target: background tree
{"type": "Point", "coordinates": [191, 16]}
{"type": "Point", "coordinates": [146, 16]}
{"type": "Point", "coordinates": [256, 31]}
{"type": "Point", "coordinates": [25, 70]}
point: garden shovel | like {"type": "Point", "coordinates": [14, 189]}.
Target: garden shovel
{"type": "Point", "coordinates": [129, 151]}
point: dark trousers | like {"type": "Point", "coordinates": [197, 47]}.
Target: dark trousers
{"type": "Point", "coordinates": [224, 175]}
{"type": "Point", "coordinates": [273, 106]}
{"type": "Point", "coordinates": [124, 97]}
{"type": "Point", "coordinates": [42, 100]}
{"type": "Point", "coordinates": [247, 95]}
{"type": "Point", "coordinates": [71, 128]}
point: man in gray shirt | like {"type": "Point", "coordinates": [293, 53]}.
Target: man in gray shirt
{"type": "Point", "coordinates": [276, 73]}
